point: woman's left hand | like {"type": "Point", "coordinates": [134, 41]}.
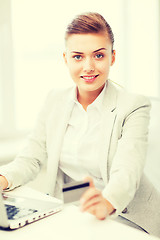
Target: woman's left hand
{"type": "Point", "coordinates": [93, 202]}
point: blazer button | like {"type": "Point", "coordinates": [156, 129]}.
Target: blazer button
{"type": "Point", "coordinates": [125, 210]}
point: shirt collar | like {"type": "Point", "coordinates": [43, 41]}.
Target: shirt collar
{"type": "Point", "coordinates": [98, 102]}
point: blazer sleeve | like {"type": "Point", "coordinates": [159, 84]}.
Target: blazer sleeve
{"type": "Point", "coordinates": [129, 159]}
{"type": "Point", "coordinates": [28, 162]}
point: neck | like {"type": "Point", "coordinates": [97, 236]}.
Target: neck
{"type": "Point", "coordinates": [86, 98]}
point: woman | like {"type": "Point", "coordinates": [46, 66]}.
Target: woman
{"type": "Point", "coordinates": [96, 130]}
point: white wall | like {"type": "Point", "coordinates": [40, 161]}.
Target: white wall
{"type": "Point", "coordinates": [6, 68]}
{"type": "Point", "coordinates": [38, 42]}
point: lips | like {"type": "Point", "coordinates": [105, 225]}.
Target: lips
{"type": "Point", "coordinates": [89, 78]}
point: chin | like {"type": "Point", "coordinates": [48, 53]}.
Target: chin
{"type": "Point", "coordinates": [92, 88]}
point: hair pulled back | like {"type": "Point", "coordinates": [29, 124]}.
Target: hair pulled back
{"type": "Point", "coordinates": [89, 23]}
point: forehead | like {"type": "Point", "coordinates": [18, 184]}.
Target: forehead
{"type": "Point", "coordinates": [87, 42]}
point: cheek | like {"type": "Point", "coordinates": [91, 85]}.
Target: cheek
{"type": "Point", "coordinates": [103, 67]}
{"type": "Point", "coordinates": [74, 69]}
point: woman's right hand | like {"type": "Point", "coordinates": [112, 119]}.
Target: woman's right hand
{"type": "Point", "coordinates": [3, 182]}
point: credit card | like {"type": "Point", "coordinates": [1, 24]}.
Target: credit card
{"type": "Point", "coordinates": [73, 191]}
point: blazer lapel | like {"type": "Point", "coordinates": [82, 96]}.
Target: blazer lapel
{"type": "Point", "coordinates": [108, 120]}
{"type": "Point", "coordinates": [56, 134]}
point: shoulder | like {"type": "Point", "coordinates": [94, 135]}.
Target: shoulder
{"type": "Point", "coordinates": [56, 99]}
{"type": "Point", "coordinates": [132, 101]}
{"type": "Point", "coordinates": [60, 96]}
{"type": "Point", "coordinates": [127, 101]}
{"type": "Point", "coordinates": [59, 93]}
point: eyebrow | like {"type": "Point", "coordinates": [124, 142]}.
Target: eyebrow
{"type": "Point", "coordinates": [93, 51]}
{"type": "Point", "coordinates": [99, 49]}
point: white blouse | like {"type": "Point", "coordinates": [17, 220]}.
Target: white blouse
{"type": "Point", "coordinates": [81, 149]}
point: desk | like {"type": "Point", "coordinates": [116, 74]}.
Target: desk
{"type": "Point", "coordinates": [71, 224]}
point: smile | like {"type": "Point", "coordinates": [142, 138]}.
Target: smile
{"type": "Point", "coordinates": [89, 79]}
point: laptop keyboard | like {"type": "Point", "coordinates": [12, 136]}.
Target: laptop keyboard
{"type": "Point", "coordinates": [14, 212]}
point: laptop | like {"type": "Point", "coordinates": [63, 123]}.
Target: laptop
{"type": "Point", "coordinates": [16, 212]}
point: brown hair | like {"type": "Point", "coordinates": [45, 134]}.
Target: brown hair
{"type": "Point", "coordinates": [89, 23]}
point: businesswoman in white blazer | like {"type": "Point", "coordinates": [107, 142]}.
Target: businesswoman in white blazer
{"type": "Point", "coordinates": [95, 130]}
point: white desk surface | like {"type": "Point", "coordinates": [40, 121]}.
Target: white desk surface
{"type": "Point", "coordinates": [71, 224]}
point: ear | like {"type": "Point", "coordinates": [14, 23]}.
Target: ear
{"type": "Point", "coordinates": [65, 57]}
{"type": "Point", "coordinates": [113, 57]}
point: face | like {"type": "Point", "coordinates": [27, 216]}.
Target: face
{"type": "Point", "coordinates": [89, 57]}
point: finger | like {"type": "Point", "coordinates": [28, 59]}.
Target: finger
{"type": "Point", "coordinates": [101, 211]}
{"type": "Point", "coordinates": [89, 194]}
{"type": "Point", "coordinates": [98, 210]}
{"type": "Point", "coordinates": [90, 180]}
{"type": "Point", "coordinates": [92, 210]}
{"type": "Point", "coordinates": [90, 203]}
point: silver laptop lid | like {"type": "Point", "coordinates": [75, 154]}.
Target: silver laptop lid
{"type": "Point", "coordinates": [28, 210]}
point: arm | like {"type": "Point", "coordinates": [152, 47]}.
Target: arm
{"type": "Point", "coordinates": [127, 164]}
{"type": "Point", "coordinates": [27, 163]}
{"type": "Point", "coordinates": [129, 159]}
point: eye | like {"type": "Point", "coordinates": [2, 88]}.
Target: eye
{"type": "Point", "coordinates": [77, 57]}
{"type": "Point", "coordinates": [99, 55]}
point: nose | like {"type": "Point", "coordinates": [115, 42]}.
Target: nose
{"type": "Point", "coordinates": [88, 65]}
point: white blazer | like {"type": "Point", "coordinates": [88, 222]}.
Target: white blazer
{"type": "Point", "coordinates": [125, 128]}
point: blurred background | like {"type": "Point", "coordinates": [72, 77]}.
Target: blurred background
{"type": "Point", "coordinates": [31, 62]}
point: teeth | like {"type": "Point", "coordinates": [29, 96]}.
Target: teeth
{"type": "Point", "coordinates": [89, 77]}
